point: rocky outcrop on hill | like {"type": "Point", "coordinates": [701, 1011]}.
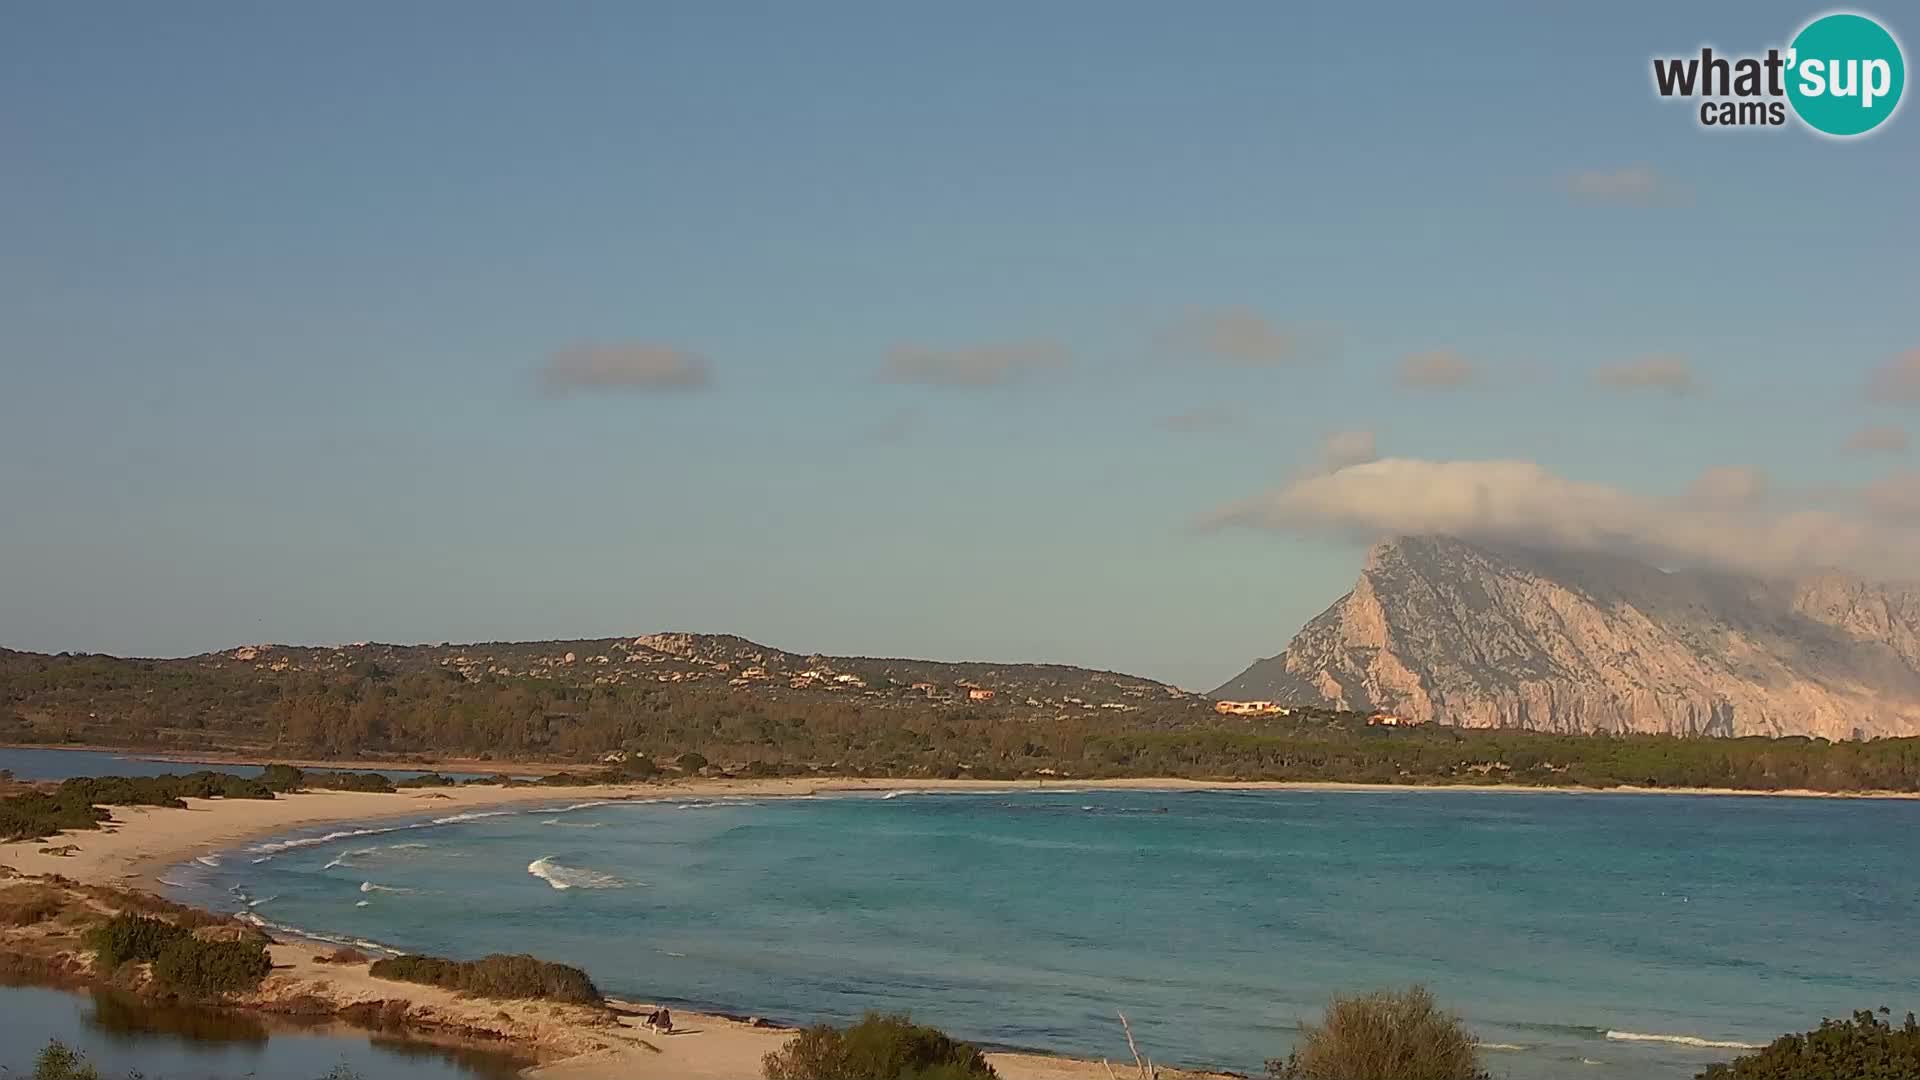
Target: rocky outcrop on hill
{"type": "Point", "coordinates": [1438, 629]}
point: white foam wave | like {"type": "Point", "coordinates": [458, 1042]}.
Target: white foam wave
{"type": "Point", "coordinates": [573, 824]}
{"type": "Point", "coordinates": [1501, 1046]}
{"type": "Point", "coordinates": [370, 887]}
{"type": "Point", "coordinates": [207, 860]}
{"type": "Point", "coordinates": [472, 815]}
{"type": "Point", "coordinates": [361, 903]}
{"type": "Point", "coordinates": [263, 900]}
{"type": "Point", "coordinates": [582, 806]}
{"type": "Point", "coordinates": [171, 884]}
{"type": "Point", "coordinates": [1681, 1040]}
{"type": "Point", "coordinates": [567, 877]}
{"type": "Point", "coordinates": [894, 795]}
{"type": "Point", "coordinates": [279, 846]}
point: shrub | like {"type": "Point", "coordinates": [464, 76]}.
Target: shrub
{"type": "Point", "coordinates": [880, 1047]}
{"type": "Point", "coordinates": [1863, 1048]}
{"type": "Point", "coordinates": [211, 968]}
{"type": "Point", "coordinates": [350, 781]}
{"type": "Point", "coordinates": [131, 937]}
{"type": "Point", "coordinates": [424, 780]}
{"type": "Point", "coordinates": [76, 803]}
{"type": "Point", "coordinates": [58, 1061]}
{"type": "Point", "coordinates": [1384, 1036]}
{"type": "Point", "coordinates": [24, 905]}
{"type": "Point", "coordinates": [282, 777]}
{"type": "Point", "coordinates": [496, 976]}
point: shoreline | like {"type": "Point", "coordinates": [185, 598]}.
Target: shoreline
{"type": "Point", "coordinates": [140, 844]}
{"type": "Point", "coordinates": [132, 851]}
{"type": "Point", "coordinates": [828, 782]}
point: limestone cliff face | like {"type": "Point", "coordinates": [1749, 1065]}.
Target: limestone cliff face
{"type": "Point", "coordinates": [1479, 637]}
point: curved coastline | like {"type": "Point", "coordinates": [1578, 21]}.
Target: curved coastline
{"type": "Point", "coordinates": [142, 845]}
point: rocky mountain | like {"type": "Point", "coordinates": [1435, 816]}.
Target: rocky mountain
{"type": "Point", "coordinates": [1438, 629]}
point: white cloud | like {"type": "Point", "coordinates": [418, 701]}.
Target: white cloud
{"type": "Point", "coordinates": [1883, 439]}
{"type": "Point", "coordinates": [1344, 448]}
{"type": "Point", "coordinates": [1895, 498]}
{"type": "Point", "coordinates": [973, 365]}
{"type": "Point", "coordinates": [1244, 337]}
{"type": "Point", "coordinates": [1729, 486]}
{"type": "Point", "coordinates": [1441, 369]}
{"type": "Point", "coordinates": [627, 366]}
{"type": "Point", "coordinates": [1665, 374]}
{"type": "Point", "coordinates": [1634, 185]}
{"type": "Point", "coordinates": [1523, 503]}
{"type": "Point", "coordinates": [1898, 380]}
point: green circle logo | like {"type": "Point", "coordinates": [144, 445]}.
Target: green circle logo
{"type": "Point", "coordinates": [1845, 74]}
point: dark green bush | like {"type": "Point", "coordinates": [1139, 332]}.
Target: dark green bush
{"type": "Point", "coordinates": [76, 803]}
{"type": "Point", "coordinates": [1863, 1048]}
{"type": "Point", "coordinates": [430, 779]}
{"type": "Point", "coordinates": [1384, 1036]}
{"type": "Point", "coordinates": [349, 781]}
{"type": "Point", "coordinates": [282, 777]}
{"type": "Point", "coordinates": [131, 937]}
{"type": "Point", "coordinates": [58, 1061]}
{"type": "Point", "coordinates": [496, 976]}
{"type": "Point", "coordinates": [880, 1047]}
{"type": "Point", "coordinates": [210, 968]}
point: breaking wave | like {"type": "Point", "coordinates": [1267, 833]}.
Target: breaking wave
{"type": "Point", "coordinates": [473, 815]}
{"type": "Point", "coordinates": [207, 860]}
{"type": "Point", "coordinates": [370, 887]}
{"type": "Point", "coordinates": [567, 877]}
{"type": "Point", "coordinates": [1681, 1040]}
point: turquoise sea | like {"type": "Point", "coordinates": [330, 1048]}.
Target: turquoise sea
{"type": "Point", "coordinates": [1609, 937]}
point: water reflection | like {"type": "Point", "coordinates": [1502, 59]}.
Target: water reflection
{"type": "Point", "coordinates": [122, 1035]}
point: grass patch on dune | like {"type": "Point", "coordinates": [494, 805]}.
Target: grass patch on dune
{"type": "Point", "coordinates": [496, 976]}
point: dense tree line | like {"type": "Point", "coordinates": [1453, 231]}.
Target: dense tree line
{"type": "Point", "coordinates": [436, 713]}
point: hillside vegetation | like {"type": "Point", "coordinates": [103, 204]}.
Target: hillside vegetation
{"type": "Point", "coordinates": [533, 703]}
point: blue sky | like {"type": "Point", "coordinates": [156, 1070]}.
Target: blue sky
{"type": "Point", "coordinates": [283, 288]}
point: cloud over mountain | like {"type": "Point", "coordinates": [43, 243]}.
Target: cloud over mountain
{"type": "Point", "coordinates": [1723, 520]}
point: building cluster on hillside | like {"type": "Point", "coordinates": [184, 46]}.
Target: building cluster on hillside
{"type": "Point", "coordinates": [1250, 708]}
{"type": "Point", "coordinates": [738, 664]}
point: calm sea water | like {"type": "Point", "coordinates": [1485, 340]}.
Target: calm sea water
{"type": "Point", "coordinates": [1595, 936]}
{"type": "Point", "coordinates": [120, 1036]}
